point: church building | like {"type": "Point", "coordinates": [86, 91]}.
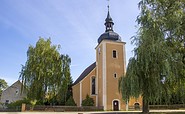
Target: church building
{"type": "Point", "coordinates": [100, 80]}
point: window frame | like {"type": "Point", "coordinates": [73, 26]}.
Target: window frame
{"type": "Point", "coordinates": [114, 54]}
{"type": "Point", "coordinates": [93, 85]}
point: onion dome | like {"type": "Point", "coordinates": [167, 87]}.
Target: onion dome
{"type": "Point", "coordinates": [109, 34]}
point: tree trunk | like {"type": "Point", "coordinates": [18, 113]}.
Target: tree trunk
{"type": "Point", "coordinates": [145, 106]}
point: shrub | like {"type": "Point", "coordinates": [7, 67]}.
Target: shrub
{"type": "Point", "coordinates": [18, 103]}
{"type": "Point", "coordinates": [88, 101]}
{"type": "Point", "coordinates": [70, 102]}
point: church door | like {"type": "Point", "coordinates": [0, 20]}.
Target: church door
{"type": "Point", "coordinates": [116, 105]}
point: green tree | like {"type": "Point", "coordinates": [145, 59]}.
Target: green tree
{"type": "Point", "coordinates": [170, 16]}
{"type": "Point", "coordinates": [64, 93]}
{"type": "Point", "coordinates": [88, 101]}
{"type": "Point", "coordinates": [42, 73]}
{"type": "Point", "coordinates": [159, 53]}
{"type": "Point", "coordinates": [70, 102]}
{"type": "Point", "coordinates": [3, 85]}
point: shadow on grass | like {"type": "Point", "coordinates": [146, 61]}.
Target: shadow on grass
{"type": "Point", "coordinates": [140, 113]}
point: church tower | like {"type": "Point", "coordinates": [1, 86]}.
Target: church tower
{"type": "Point", "coordinates": [111, 65]}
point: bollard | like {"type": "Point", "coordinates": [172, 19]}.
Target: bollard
{"type": "Point", "coordinates": [23, 108]}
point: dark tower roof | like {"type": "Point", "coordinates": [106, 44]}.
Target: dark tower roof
{"type": "Point", "coordinates": [109, 33]}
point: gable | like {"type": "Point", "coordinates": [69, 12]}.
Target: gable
{"type": "Point", "coordinates": [13, 93]}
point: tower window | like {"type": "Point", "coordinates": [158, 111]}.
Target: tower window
{"type": "Point", "coordinates": [115, 75]}
{"type": "Point", "coordinates": [93, 86]}
{"type": "Point", "coordinates": [114, 54]}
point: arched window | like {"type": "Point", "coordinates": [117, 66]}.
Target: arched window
{"type": "Point", "coordinates": [114, 54]}
{"type": "Point", "coordinates": [93, 86]}
{"type": "Point", "coordinates": [137, 106]}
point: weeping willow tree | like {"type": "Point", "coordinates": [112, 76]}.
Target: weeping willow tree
{"type": "Point", "coordinates": [43, 74]}
{"type": "Point", "coordinates": [147, 68]}
{"type": "Point", "coordinates": [157, 68]}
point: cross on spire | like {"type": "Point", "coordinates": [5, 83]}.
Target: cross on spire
{"type": "Point", "coordinates": [108, 21]}
{"type": "Point", "coordinates": [108, 4]}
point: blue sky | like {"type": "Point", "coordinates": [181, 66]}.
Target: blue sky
{"type": "Point", "coordinates": [74, 24]}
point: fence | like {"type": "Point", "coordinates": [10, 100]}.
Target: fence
{"type": "Point", "coordinates": [84, 108]}
{"type": "Point", "coordinates": [175, 106]}
{"type": "Point", "coordinates": [63, 108]}
{"type": "Point", "coordinates": [12, 109]}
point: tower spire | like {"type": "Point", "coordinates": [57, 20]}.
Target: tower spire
{"type": "Point", "coordinates": [108, 21]}
{"type": "Point", "coordinates": [109, 34]}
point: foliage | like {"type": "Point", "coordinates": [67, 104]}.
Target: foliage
{"type": "Point", "coordinates": [157, 68]}
{"type": "Point", "coordinates": [64, 92]}
{"type": "Point", "coordinates": [169, 16]}
{"type": "Point", "coordinates": [18, 103]}
{"type": "Point", "coordinates": [3, 85]}
{"type": "Point", "coordinates": [70, 102]}
{"type": "Point", "coordinates": [44, 72]}
{"type": "Point", "coordinates": [88, 101]}
{"type": "Point", "coordinates": [33, 103]}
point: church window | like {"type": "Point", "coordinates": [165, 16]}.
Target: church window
{"type": "Point", "coordinates": [115, 75]}
{"type": "Point", "coordinates": [7, 101]}
{"type": "Point", "coordinates": [93, 86]}
{"type": "Point", "coordinates": [114, 54]}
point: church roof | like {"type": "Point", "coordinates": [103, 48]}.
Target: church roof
{"type": "Point", "coordinates": [85, 73]}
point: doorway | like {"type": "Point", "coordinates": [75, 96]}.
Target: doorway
{"type": "Point", "coordinates": [116, 105]}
